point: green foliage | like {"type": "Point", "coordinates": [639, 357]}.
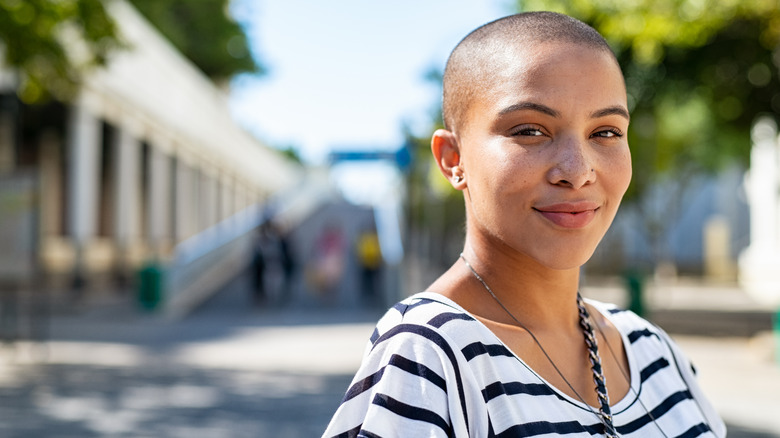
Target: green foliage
{"type": "Point", "coordinates": [650, 27]}
{"type": "Point", "coordinates": [51, 43]}
{"type": "Point", "coordinates": [698, 74]}
{"type": "Point", "coordinates": [292, 154]}
{"type": "Point", "coordinates": [205, 33]}
{"type": "Point", "coordinates": [434, 209]}
{"type": "Point", "coordinates": [36, 36]}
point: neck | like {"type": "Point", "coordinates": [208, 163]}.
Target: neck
{"type": "Point", "coordinates": [536, 295]}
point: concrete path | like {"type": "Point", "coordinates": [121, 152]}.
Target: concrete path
{"type": "Point", "coordinates": [233, 370]}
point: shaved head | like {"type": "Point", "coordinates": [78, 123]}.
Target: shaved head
{"type": "Point", "coordinates": [471, 67]}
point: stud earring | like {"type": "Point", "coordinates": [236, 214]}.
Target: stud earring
{"type": "Point", "coordinates": [458, 179]}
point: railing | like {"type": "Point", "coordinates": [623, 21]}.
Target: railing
{"type": "Point", "coordinates": [205, 262]}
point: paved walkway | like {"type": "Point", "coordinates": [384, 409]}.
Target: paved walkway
{"type": "Point", "coordinates": [232, 370]}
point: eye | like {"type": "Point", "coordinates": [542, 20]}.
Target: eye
{"type": "Point", "coordinates": [608, 133]}
{"type": "Point", "coordinates": [527, 131]}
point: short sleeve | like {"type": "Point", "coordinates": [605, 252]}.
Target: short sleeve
{"type": "Point", "coordinates": [686, 370]}
{"type": "Point", "coordinates": [407, 385]}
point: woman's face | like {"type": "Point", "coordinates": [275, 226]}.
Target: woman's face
{"type": "Point", "coordinates": [545, 154]}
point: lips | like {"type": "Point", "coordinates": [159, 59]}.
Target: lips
{"type": "Point", "coordinates": [570, 215]}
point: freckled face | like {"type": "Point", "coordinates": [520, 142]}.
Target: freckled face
{"type": "Point", "coordinates": [545, 154]}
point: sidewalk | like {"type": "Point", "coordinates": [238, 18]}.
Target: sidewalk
{"type": "Point", "coordinates": [231, 370]}
{"type": "Point", "coordinates": [740, 378]}
{"type": "Point", "coordinates": [692, 307]}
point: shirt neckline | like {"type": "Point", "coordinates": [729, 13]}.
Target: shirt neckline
{"type": "Point", "coordinates": [623, 404]}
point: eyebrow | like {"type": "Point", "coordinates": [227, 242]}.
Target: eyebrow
{"type": "Point", "coordinates": [529, 106]}
{"type": "Point", "coordinates": [609, 111]}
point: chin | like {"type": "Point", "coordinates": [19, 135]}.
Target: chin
{"type": "Point", "coordinates": [563, 260]}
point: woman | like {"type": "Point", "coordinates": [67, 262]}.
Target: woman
{"type": "Point", "coordinates": [502, 344]}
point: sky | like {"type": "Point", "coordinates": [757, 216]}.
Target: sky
{"type": "Point", "coordinates": [348, 74]}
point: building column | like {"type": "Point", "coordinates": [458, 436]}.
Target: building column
{"type": "Point", "coordinates": [186, 195]}
{"type": "Point", "coordinates": [127, 223]}
{"type": "Point", "coordinates": [84, 136]}
{"type": "Point", "coordinates": [173, 198]}
{"type": "Point", "coordinates": [159, 191]}
{"type": "Point", "coordinates": [128, 171]}
{"type": "Point", "coordinates": [227, 200]}
{"type": "Point", "coordinates": [51, 196]}
{"type": "Point", "coordinates": [239, 191]}
{"type": "Point", "coordinates": [8, 110]}
{"type": "Point", "coordinates": [208, 199]}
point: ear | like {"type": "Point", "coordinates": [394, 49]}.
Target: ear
{"type": "Point", "coordinates": [446, 152]}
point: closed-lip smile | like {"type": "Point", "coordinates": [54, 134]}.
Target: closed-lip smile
{"type": "Point", "coordinates": [570, 215]}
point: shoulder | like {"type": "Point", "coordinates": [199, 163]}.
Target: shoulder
{"type": "Point", "coordinates": [425, 308]}
{"type": "Point", "coordinates": [425, 317]}
{"type": "Point", "coordinates": [649, 347]}
{"type": "Point", "coordinates": [411, 378]}
{"type": "Point", "coordinates": [628, 323]}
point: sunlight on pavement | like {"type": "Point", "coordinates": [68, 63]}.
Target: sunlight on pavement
{"type": "Point", "coordinates": [740, 378]}
{"type": "Point", "coordinates": [331, 349]}
{"type": "Point", "coordinates": [69, 352]}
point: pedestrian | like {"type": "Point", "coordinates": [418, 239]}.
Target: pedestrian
{"type": "Point", "coordinates": [369, 256]}
{"type": "Point", "coordinates": [259, 265]}
{"type": "Point", "coordinates": [288, 266]}
{"type": "Point", "coordinates": [326, 269]}
{"type": "Point", "coordinates": [502, 343]}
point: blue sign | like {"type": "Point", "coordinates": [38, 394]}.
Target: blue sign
{"type": "Point", "coordinates": [402, 157]}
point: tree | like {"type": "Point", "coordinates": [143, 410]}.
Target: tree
{"type": "Point", "coordinates": [205, 33]}
{"type": "Point", "coordinates": [34, 36]}
{"type": "Point", "coordinates": [698, 74]}
{"type": "Point", "coordinates": [31, 43]}
{"type": "Point", "coordinates": [435, 215]}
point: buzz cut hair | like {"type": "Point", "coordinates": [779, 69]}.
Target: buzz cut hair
{"type": "Point", "coordinates": [468, 70]}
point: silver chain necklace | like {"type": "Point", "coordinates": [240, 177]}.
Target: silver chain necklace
{"type": "Point", "coordinates": [604, 414]}
{"type": "Point", "coordinates": [595, 365]}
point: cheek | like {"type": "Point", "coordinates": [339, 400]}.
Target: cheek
{"type": "Point", "coordinates": [499, 185]}
{"type": "Point", "coordinates": [618, 171]}
{"type": "Point", "coordinates": [512, 175]}
{"type": "Point", "coordinates": [626, 171]}
{"type": "Point", "coordinates": [489, 166]}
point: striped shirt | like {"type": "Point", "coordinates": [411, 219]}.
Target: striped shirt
{"type": "Point", "coordinates": [433, 370]}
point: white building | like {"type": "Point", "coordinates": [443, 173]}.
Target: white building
{"type": "Point", "coordinates": [145, 164]}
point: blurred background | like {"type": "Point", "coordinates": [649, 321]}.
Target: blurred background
{"type": "Point", "coordinates": [205, 205]}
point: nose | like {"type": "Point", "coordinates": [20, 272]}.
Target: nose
{"type": "Point", "coordinates": [573, 166]}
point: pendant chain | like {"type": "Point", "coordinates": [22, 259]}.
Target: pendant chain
{"type": "Point", "coordinates": [604, 413]}
{"type": "Point", "coordinates": [595, 365]}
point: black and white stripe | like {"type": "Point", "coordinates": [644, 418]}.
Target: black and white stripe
{"type": "Point", "coordinates": [433, 370]}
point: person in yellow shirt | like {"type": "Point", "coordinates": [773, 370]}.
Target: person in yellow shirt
{"type": "Point", "coordinates": [369, 254]}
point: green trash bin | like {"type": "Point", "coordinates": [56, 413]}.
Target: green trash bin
{"type": "Point", "coordinates": [150, 286]}
{"type": "Point", "coordinates": [635, 286]}
{"type": "Point", "coordinates": [777, 336]}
